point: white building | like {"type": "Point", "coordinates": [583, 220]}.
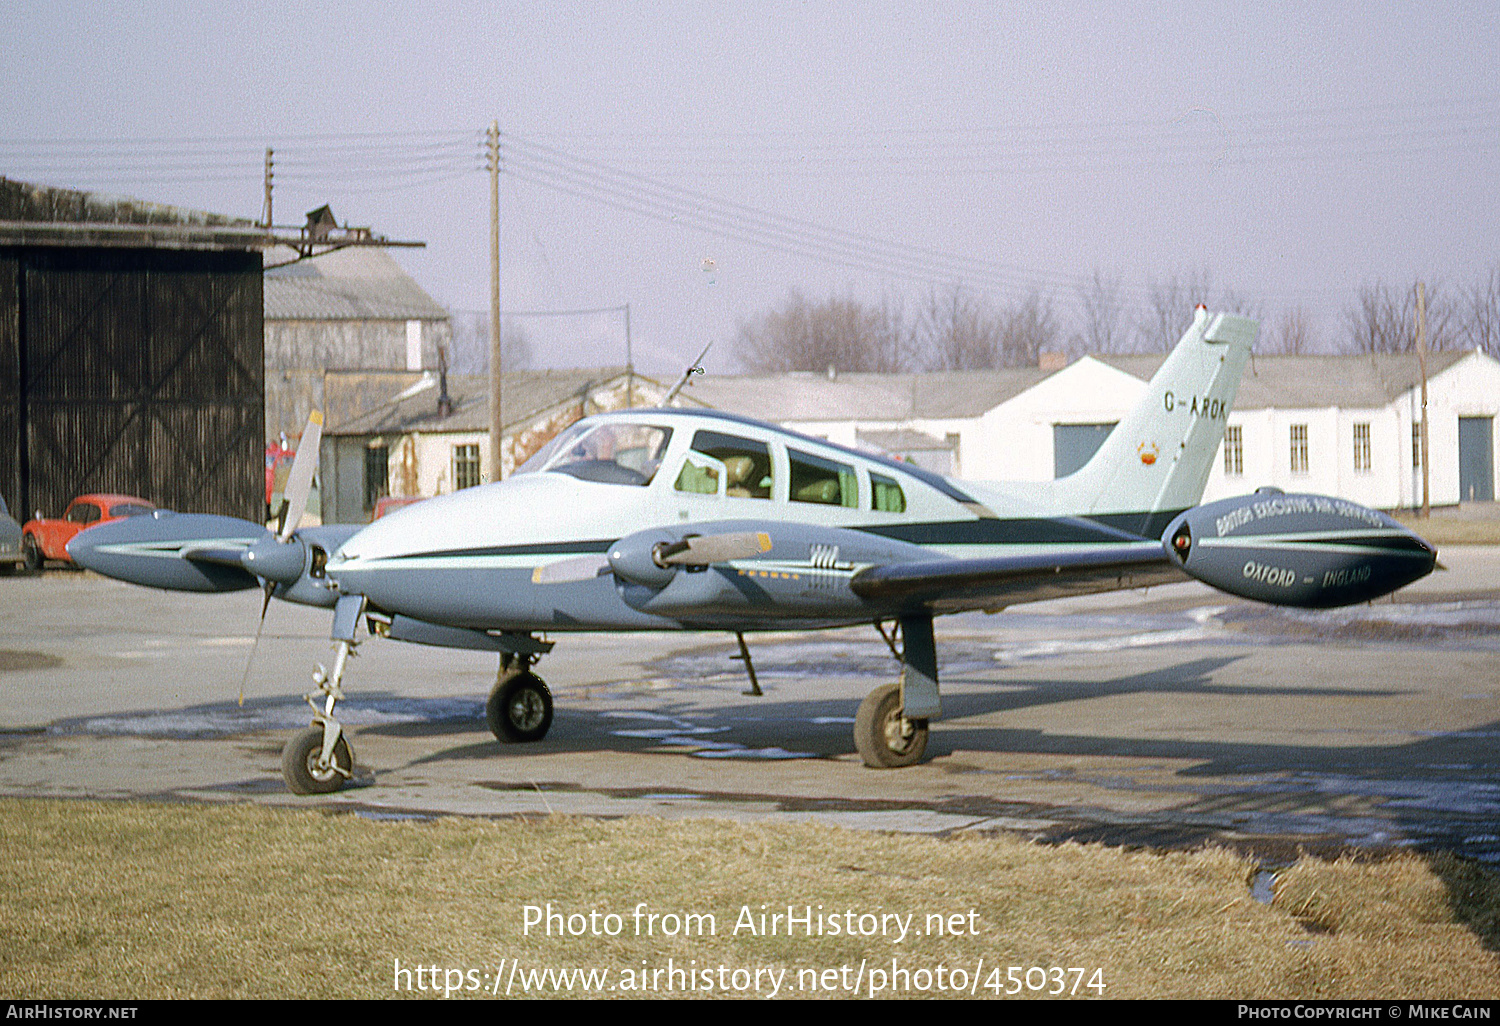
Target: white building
{"type": "Point", "coordinates": [1336, 425]}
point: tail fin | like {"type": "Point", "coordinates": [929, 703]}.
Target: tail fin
{"type": "Point", "coordinates": [1156, 461]}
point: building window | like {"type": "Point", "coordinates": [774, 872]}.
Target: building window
{"type": "Point", "coordinates": [1416, 446]}
{"type": "Point", "coordinates": [1234, 451]}
{"type": "Point", "coordinates": [1299, 448]}
{"type": "Point", "coordinates": [1361, 447]}
{"type": "Point", "coordinates": [377, 474]}
{"type": "Point", "coordinates": [465, 466]}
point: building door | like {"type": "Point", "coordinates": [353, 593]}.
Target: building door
{"type": "Point", "coordinates": [1476, 459]}
{"type": "Point", "coordinates": [1074, 444]}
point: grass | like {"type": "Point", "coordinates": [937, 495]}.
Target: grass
{"type": "Point", "coordinates": [1447, 529]}
{"type": "Point", "coordinates": [134, 901]}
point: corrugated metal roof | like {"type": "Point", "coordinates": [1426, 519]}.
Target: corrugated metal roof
{"type": "Point", "coordinates": [1285, 382]}
{"type": "Point", "coordinates": [1313, 382]}
{"type": "Point", "coordinates": [805, 396]}
{"type": "Point", "coordinates": [360, 403]}
{"type": "Point", "coordinates": [359, 283]}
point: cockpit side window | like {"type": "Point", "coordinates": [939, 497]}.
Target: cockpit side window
{"type": "Point", "coordinates": [886, 495]}
{"type": "Point", "coordinates": [815, 479]}
{"type": "Point", "coordinates": [747, 472]}
{"type": "Point", "coordinates": [626, 454]}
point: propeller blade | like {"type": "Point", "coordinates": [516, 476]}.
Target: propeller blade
{"type": "Point", "coordinates": [269, 587]}
{"type": "Point", "coordinates": [705, 549]}
{"type": "Point", "coordinates": [299, 479]}
{"type": "Point", "coordinates": [575, 568]}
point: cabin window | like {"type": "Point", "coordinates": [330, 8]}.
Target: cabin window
{"type": "Point", "coordinates": [815, 479]}
{"type": "Point", "coordinates": [624, 454]}
{"type": "Point", "coordinates": [465, 466]}
{"type": "Point", "coordinates": [1234, 451]}
{"type": "Point", "coordinates": [745, 466]}
{"type": "Point", "coordinates": [1362, 447]}
{"type": "Point", "coordinates": [1299, 460]}
{"type": "Point", "coordinates": [886, 495]}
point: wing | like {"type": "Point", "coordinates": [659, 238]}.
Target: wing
{"type": "Point", "coordinates": [778, 572]}
{"type": "Point", "coordinates": [993, 582]}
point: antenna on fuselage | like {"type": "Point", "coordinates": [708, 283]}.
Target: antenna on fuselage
{"type": "Point", "coordinates": [696, 367]}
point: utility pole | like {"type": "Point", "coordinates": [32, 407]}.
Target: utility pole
{"type": "Point", "coordinates": [629, 365]}
{"type": "Point", "coordinates": [266, 209]}
{"type": "Point", "coordinates": [497, 420]}
{"type": "Point", "coordinates": [1422, 362]}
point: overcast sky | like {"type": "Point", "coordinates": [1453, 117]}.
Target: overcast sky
{"type": "Point", "coordinates": [700, 160]}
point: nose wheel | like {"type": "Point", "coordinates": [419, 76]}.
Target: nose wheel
{"type": "Point", "coordinates": [307, 772]}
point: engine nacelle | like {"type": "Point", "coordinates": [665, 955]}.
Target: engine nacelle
{"type": "Point", "coordinates": [155, 550]}
{"type": "Point", "coordinates": [1297, 550]}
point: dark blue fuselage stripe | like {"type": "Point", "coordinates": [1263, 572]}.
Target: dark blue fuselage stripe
{"type": "Point", "coordinates": [1109, 528]}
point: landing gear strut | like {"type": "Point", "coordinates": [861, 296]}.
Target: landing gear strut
{"type": "Point", "coordinates": [890, 729]}
{"type": "Point", "coordinates": [318, 760]}
{"type": "Point", "coordinates": [520, 706]}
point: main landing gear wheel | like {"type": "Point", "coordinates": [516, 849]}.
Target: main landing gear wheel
{"type": "Point", "coordinates": [299, 763]}
{"type": "Point", "coordinates": [519, 709]}
{"type": "Point", "coordinates": [884, 737]}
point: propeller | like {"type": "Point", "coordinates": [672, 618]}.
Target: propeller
{"type": "Point", "coordinates": [707, 549]}
{"type": "Point", "coordinates": [279, 559]}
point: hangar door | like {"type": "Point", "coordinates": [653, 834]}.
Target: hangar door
{"type": "Point", "coordinates": [136, 371]}
{"type": "Point", "coordinates": [1476, 459]}
{"type": "Point", "coordinates": [1074, 444]}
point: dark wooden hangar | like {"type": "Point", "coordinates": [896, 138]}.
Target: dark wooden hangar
{"type": "Point", "coordinates": [132, 350]}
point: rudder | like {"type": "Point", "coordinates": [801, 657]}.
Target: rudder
{"type": "Point", "coordinates": [1157, 459]}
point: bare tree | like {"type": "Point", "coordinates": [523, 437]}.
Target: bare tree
{"type": "Point", "coordinates": [1481, 314]}
{"type": "Point", "coordinates": [470, 349]}
{"type": "Point", "coordinates": [1029, 327]}
{"type": "Point", "coordinates": [1169, 309]}
{"type": "Point", "coordinates": [1171, 305]}
{"type": "Point", "coordinates": [958, 331]}
{"type": "Point", "coordinates": [1292, 335]}
{"type": "Point", "coordinates": [1105, 328]}
{"type": "Point", "coordinates": [1384, 320]}
{"type": "Point", "coordinates": [842, 334]}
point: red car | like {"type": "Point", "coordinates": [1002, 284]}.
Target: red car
{"type": "Point", "coordinates": [45, 538]}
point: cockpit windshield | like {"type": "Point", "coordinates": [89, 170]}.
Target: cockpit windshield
{"type": "Point", "coordinates": [627, 454]}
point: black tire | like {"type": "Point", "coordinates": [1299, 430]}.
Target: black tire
{"type": "Point", "coordinates": [31, 555]}
{"type": "Point", "coordinates": [885, 738]}
{"type": "Point", "coordinates": [299, 763]}
{"type": "Point", "coordinates": [519, 709]}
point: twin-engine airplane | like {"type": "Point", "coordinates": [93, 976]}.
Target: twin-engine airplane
{"type": "Point", "coordinates": [672, 519]}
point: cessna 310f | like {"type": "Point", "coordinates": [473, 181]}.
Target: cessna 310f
{"type": "Point", "coordinates": [665, 518]}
